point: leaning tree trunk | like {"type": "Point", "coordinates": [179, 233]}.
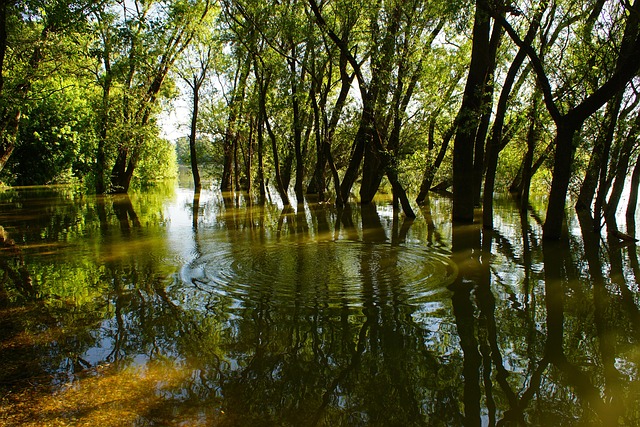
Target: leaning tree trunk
{"type": "Point", "coordinates": [494, 146]}
{"type": "Point", "coordinates": [431, 170]}
{"type": "Point", "coordinates": [599, 157]}
{"type": "Point", "coordinates": [621, 175]}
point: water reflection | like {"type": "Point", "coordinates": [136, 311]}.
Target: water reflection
{"type": "Point", "coordinates": [200, 308]}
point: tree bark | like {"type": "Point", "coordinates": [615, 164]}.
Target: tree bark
{"type": "Point", "coordinates": [555, 220]}
{"type": "Point", "coordinates": [470, 110]}
{"type": "Point", "coordinates": [622, 167]}
{"type": "Point", "coordinates": [192, 134]}
{"type": "Point", "coordinates": [479, 155]}
{"type": "Point", "coordinates": [633, 199]}
{"type": "Point", "coordinates": [297, 129]}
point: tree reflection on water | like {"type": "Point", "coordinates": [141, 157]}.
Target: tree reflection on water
{"type": "Point", "coordinates": [207, 309]}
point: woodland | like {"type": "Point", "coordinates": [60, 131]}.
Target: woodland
{"type": "Point", "coordinates": [332, 99]}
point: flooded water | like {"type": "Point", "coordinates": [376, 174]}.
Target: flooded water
{"type": "Point", "coordinates": [160, 308]}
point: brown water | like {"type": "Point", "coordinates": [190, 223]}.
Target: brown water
{"type": "Point", "coordinates": [133, 311]}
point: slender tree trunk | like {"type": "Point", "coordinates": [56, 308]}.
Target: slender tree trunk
{"type": "Point", "coordinates": [260, 178]}
{"type": "Point", "coordinates": [599, 157]}
{"type": "Point", "coordinates": [431, 170]}
{"type": "Point", "coordinates": [236, 164]}
{"type": "Point", "coordinates": [231, 132]}
{"type": "Point", "coordinates": [282, 189]}
{"type": "Point", "coordinates": [532, 139]}
{"type": "Point", "coordinates": [317, 184]}
{"type": "Point", "coordinates": [297, 130]}
{"type": "Point", "coordinates": [9, 133]}
{"type": "Point", "coordinates": [355, 159]}
{"type": "Point", "coordinates": [249, 160]}
{"type": "Point", "coordinates": [622, 168]}
{"type": "Point", "coordinates": [192, 134]}
{"type": "Point", "coordinates": [101, 157]}
{"type": "Point", "coordinates": [633, 199]}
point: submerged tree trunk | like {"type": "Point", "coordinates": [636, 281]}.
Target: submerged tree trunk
{"type": "Point", "coordinates": [527, 165]}
{"type": "Point", "coordinates": [599, 158]}
{"type": "Point", "coordinates": [297, 129]}
{"type": "Point", "coordinates": [470, 110]}
{"type": "Point", "coordinates": [555, 221]}
{"type": "Point", "coordinates": [231, 132]}
{"type": "Point", "coordinates": [633, 198]}
{"type": "Point", "coordinates": [479, 156]}
{"type": "Point", "coordinates": [621, 170]}
{"type": "Point", "coordinates": [192, 134]}
{"type": "Point", "coordinates": [282, 189]}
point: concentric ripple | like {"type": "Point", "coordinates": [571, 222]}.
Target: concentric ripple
{"type": "Point", "coordinates": [319, 273]}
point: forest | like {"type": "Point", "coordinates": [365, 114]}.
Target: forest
{"type": "Point", "coordinates": [331, 99]}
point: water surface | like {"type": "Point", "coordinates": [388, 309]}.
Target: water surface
{"type": "Point", "coordinates": [160, 308]}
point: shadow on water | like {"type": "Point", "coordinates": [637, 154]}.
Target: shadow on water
{"type": "Point", "coordinates": [200, 308]}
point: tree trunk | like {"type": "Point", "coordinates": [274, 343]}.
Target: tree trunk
{"type": "Point", "coordinates": [495, 144]}
{"type": "Point", "coordinates": [357, 152]}
{"type": "Point", "coordinates": [235, 106]}
{"type": "Point", "coordinates": [621, 173]}
{"type": "Point", "coordinates": [470, 110]}
{"type": "Point", "coordinates": [260, 177]}
{"type": "Point", "coordinates": [101, 157]}
{"type": "Point", "coordinates": [596, 175]}
{"type": "Point", "coordinates": [431, 170]}
{"type": "Point", "coordinates": [487, 101]}
{"type": "Point", "coordinates": [249, 160]}
{"type": "Point", "coordinates": [282, 189]}
{"type": "Point", "coordinates": [633, 199]}
{"type": "Point", "coordinates": [527, 169]}
{"type": "Point", "coordinates": [9, 133]}
{"type": "Point", "coordinates": [297, 130]}
{"type": "Point", "coordinates": [555, 220]}
{"type": "Point", "coordinates": [192, 135]}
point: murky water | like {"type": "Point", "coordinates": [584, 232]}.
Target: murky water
{"type": "Point", "coordinates": [164, 309]}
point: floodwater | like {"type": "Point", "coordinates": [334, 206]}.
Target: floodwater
{"type": "Point", "coordinates": [160, 308]}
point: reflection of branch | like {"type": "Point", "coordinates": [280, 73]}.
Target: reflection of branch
{"type": "Point", "coordinates": [355, 360]}
{"type": "Point", "coordinates": [556, 260]}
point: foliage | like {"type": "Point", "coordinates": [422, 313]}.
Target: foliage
{"type": "Point", "coordinates": [56, 139]}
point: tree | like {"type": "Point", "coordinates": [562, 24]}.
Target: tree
{"type": "Point", "coordinates": [468, 119]}
{"type": "Point", "coordinates": [569, 123]}
{"type": "Point", "coordinates": [194, 71]}
{"type": "Point", "coordinates": [156, 34]}
{"type": "Point", "coordinates": [31, 45]}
